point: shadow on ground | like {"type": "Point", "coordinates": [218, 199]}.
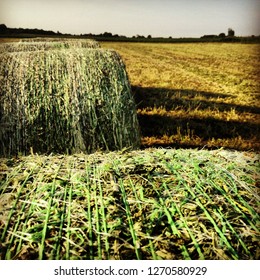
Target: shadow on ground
{"type": "Point", "coordinates": [206, 128]}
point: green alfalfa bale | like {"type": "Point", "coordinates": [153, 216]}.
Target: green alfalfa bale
{"type": "Point", "coordinates": [45, 39]}
{"type": "Point", "coordinates": [24, 46]}
{"type": "Point", "coordinates": [51, 39]}
{"type": "Point", "coordinates": [67, 41]}
{"type": "Point", "coordinates": [76, 100]}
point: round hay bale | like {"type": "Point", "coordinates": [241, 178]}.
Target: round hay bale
{"type": "Point", "coordinates": [44, 39]}
{"type": "Point", "coordinates": [65, 101]}
{"type": "Point", "coordinates": [49, 39]}
{"type": "Point", "coordinates": [47, 45]}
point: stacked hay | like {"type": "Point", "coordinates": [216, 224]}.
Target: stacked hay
{"type": "Point", "coordinates": [47, 45]}
{"type": "Point", "coordinates": [65, 101]}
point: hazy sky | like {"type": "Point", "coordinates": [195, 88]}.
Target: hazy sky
{"type": "Point", "coordinates": [176, 18]}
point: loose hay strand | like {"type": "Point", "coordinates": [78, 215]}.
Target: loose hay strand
{"type": "Point", "coordinates": [50, 205]}
{"type": "Point", "coordinates": [140, 200]}
{"type": "Point", "coordinates": [68, 228]}
{"type": "Point", "coordinates": [173, 227]}
{"type": "Point", "coordinates": [103, 218]}
{"type": "Point", "coordinates": [130, 221]}
{"type": "Point", "coordinates": [196, 245]}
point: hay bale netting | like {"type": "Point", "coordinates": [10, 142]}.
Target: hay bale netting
{"type": "Point", "coordinates": [65, 101]}
{"type": "Point", "coordinates": [44, 39]}
{"type": "Point", "coordinates": [47, 45]}
{"type": "Point", "coordinates": [48, 39]}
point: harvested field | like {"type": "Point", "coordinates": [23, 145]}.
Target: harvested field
{"type": "Point", "coordinates": [151, 204]}
{"type": "Point", "coordinates": [195, 95]}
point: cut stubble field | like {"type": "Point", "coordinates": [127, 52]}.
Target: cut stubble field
{"type": "Point", "coordinates": [195, 95]}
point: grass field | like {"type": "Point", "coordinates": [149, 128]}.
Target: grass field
{"type": "Point", "coordinates": [195, 95]}
{"type": "Point", "coordinates": [152, 203]}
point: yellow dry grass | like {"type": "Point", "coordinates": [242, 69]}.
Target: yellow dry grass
{"type": "Point", "coordinates": [197, 94]}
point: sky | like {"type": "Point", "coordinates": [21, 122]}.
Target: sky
{"type": "Point", "coordinates": [158, 18]}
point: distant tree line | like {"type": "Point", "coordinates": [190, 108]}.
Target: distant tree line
{"type": "Point", "coordinates": [108, 36]}
{"type": "Point", "coordinates": [5, 30]}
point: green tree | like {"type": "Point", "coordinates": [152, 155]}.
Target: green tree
{"type": "Point", "coordinates": [3, 28]}
{"type": "Point", "coordinates": [231, 32]}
